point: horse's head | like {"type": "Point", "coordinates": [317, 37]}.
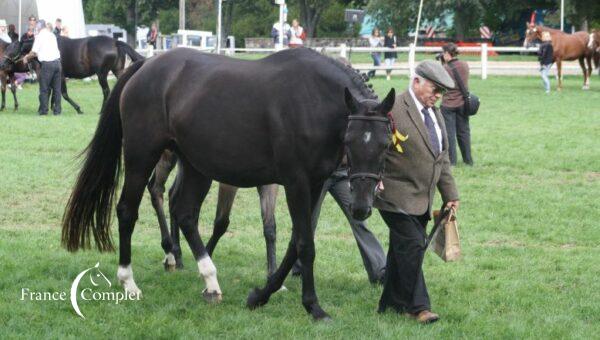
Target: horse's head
{"type": "Point", "coordinates": [533, 33]}
{"type": "Point", "coordinates": [10, 56]}
{"type": "Point", "coordinates": [367, 138]}
{"type": "Point", "coordinates": [594, 41]}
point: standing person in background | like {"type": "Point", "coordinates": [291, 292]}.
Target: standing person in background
{"type": "Point", "coordinates": [12, 33]}
{"type": "Point", "coordinates": [297, 34]}
{"type": "Point", "coordinates": [58, 27]}
{"type": "Point", "coordinates": [286, 34]}
{"type": "Point", "coordinates": [457, 120]}
{"type": "Point", "coordinates": [375, 41]}
{"type": "Point", "coordinates": [390, 57]}
{"type": "Point", "coordinates": [152, 35]}
{"type": "Point", "coordinates": [3, 33]}
{"type": "Point", "coordinates": [546, 58]}
{"type": "Point", "coordinates": [45, 48]}
{"type": "Point", "coordinates": [29, 36]}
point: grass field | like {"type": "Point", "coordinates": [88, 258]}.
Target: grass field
{"type": "Point", "coordinates": [528, 219]}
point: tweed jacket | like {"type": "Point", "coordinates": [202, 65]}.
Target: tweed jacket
{"type": "Point", "coordinates": [411, 176]}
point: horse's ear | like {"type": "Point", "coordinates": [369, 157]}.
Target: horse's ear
{"type": "Point", "coordinates": [388, 102]}
{"type": "Point", "coordinates": [351, 102]}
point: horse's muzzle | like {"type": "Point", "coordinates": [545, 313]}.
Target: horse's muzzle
{"type": "Point", "coordinates": [360, 213]}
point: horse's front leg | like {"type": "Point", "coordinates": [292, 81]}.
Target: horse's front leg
{"type": "Point", "coordinates": [13, 89]}
{"type": "Point", "coordinates": [3, 90]}
{"type": "Point", "coordinates": [559, 70]}
{"type": "Point", "coordinates": [586, 78]}
{"type": "Point", "coordinates": [268, 200]}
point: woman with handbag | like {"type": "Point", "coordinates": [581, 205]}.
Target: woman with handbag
{"type": "Point", "coordinates": [453, 106]}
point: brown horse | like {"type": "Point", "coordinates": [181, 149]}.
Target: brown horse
{"type": "Point", "coordinates": [566, 47]}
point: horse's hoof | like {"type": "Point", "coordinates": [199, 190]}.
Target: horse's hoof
{"type": "Point", "coordinates": [282, 289]}
{"type": "Point", "coordinates": [169, 267]}
{"type": "Point", "coordinates": [255, 299]}
{"type": "Point", "coordinates": [322, 317]}
{"type": "Point", "coordinates": [178, 264]}
{"type": "Point", "coordinates": [585, 88]}
{"type": "Point", "coordinates": [169, 262]}
{"type": "Point", "coordinates": [212, 297]}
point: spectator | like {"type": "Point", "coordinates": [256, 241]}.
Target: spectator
{"type": "Point", "coordinates": [45, 48]}
{"type": "Point", "coordinates": [12, 33]}
{"type": "Point", "coordinates": [297, 34]}
{"type": "Point", "coordinates": [286, 36]}
{"type": "Point", "coordinates": [457, 120]}
{"type": "Point", "coordinates": [152, 35]}
{"type": "Point", "coordinates": [3, 34]}
{"type": "Point", "coordinates": [546, 58]}
{"type": "Point", "coordinates": [29, 36]}
{"type": "Point", "coordinates": [390, 57]}
{"type": "Point", "coordinates": [58, 27]}
{"type": "Point", "coordinates": [375, 41]}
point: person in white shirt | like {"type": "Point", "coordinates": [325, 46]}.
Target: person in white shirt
{"type": "Point", "coordinates": [3, 33]}
{"type": "Point", "coordinates": [45, 48]}
{"type": "Point", "coordinates": [297, 34]}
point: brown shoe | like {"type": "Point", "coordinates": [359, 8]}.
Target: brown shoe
{"type": "Point", "coordinates": [424, 317]}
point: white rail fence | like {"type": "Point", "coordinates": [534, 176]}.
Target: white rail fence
{"type": "Point", "coordinates": [344, 51]}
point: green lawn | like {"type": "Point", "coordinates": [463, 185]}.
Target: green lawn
{"type": "Point", "coordinates": [528, 220]}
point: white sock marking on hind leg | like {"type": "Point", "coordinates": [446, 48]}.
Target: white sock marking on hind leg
{"type": "Point", "coordinates": [209, 273]}
{"type": "Point", "coordinates": [125, 275]}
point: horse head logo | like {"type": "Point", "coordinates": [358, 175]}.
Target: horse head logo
{"type": "Point", "coordinates": [96, 278]}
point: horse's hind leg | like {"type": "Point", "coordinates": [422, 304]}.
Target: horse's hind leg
{"type": "Point", "coordinates": [102, 79]}
{"type": "Point", "coordinates": [268, 198]}
{"type": "Point", "coordinates": [187, 201]}
{"type": "Point", "coordinates": [65, 95]}
{"type": "Point", "coordinates": [224, 204]}
{"type": "Point", "coordinates": [559, 75]}
{"type": "Point", "coordinates": [13, 89]}
{"type": "Point", "coordinates": [136, 178]}
{"type": "Point", "coordinates": [156, 188]}
{"type": "Point", "coordinates": [586, 78]}
{"type": "Point", "coordinates": [3, 90]}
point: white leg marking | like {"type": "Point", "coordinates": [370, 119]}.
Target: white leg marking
{"type": "Point", "coordinates": [209, 273]}
{"type": "Point", "coordinates": [170, 259]}
{"type": "Point", "coordinates": [125, 275]}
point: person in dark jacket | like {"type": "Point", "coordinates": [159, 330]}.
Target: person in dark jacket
{"type": "Point", "coordinates": [546, 58]}
{"type": "Point", "coordinates": [453, 103]}
{"type": "Point", "coordinates": [390, 57]}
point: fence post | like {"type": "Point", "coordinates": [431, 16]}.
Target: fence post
{"type": "Point", "coordinates": [411, 60]}
{"type": "Point", "coordinates": [343, 51]}
{"type": "Point", "coordinates": [484, 59]}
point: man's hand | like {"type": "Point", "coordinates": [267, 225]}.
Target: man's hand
{"type": "Point", "coordinates": [452, 204]}
{"type": "Point", "coordinates": [24, 60]}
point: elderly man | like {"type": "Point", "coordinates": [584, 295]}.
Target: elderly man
{"type": "Point", "coordinates": [413, 169]}
{"type": "Point", "coordinates": [45, 48]}
{"type": "Point", "coordinates": [3, 33]}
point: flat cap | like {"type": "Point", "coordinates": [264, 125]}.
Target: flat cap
{"type": "Point", "coordinates": [435, 73]}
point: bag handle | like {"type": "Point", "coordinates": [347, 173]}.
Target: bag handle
{"type": "Point", "coordinates": [445, 213]}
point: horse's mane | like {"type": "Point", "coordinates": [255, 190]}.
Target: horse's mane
{"type": "Point", "coordinates": [357, 79]}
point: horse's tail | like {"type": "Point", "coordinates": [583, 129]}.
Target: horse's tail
{"type": "Point", "coordinates": [126, 49]}
{"type": "Point", "coordinates": [90, 206]}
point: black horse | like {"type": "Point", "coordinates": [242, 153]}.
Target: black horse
{"type": "Point", "coordinates": [226, 196]}
{"type": "Point", "coordinates": [239, 122]}
{"type": "Point", "coordinates": [8, 67]}
{"type": "Point", "coordinates": [81, 58]}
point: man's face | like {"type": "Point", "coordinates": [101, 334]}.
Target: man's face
{"type": "Point", "coordinates": [57, 24]}
{"type": "Point", "coordinates": [32, 23]}
{"type": "Point", "coordinates": [427, 92]}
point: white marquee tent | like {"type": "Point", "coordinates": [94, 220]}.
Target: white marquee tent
{"type": "Point", "coordinates": [70, 11]}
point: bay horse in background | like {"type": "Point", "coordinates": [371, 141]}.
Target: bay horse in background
{"type": "Point", "coordinates": [6, 78]}
{"type": "Point", "coordinates": [85, 57]}
{"type": "Point", "coordinates": [566, 47]}
{"type": "Point", "coordinates": [238, 122]}
{"type": "Point", "coordinates": [226, 196]}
